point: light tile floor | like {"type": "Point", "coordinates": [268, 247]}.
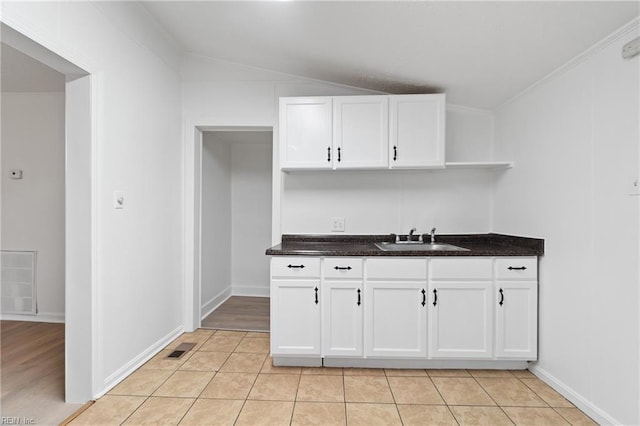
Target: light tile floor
{"type": "Point", "coordinates": [228, 379]}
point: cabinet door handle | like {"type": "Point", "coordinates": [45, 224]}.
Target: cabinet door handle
{"type": "Point", "coordinates": [435, 297]}
{"type": "Point", "coordinates": [342, 268]}
{"type": "Point", "coordinates": [501, 297]}
{"type": "Point", "coordinates": [395, 153]}
{"type": "Point", "coordinates": [295, 266]}
{"type": "Point", "coordinates": [424, 297]}
{"type": "Point", "coordinates": [517, 268]}
{"type": "Point", "coordinates": [358, 303]}
{"type": "Point", "coordinates": [329, 154]}
{"type": "Point", "coordinates": [339, 155]}
{"type": "Point", "coordinates": [316, 290]}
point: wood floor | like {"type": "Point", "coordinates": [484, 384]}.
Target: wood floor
{"type": "Point", "coordinates": [32, 372]}
{"type": "Point", "coordinates": [240, 313]}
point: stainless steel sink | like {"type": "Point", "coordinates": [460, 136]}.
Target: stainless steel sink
{"type": "Point", "coordinates": [403, 246]}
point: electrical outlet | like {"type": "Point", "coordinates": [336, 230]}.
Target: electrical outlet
{"type": "Point", "coordinates": [15, 174]}
{"type": "Point", "coordinates": [337, 224]}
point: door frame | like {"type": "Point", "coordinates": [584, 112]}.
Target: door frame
{"type": "Point", "coordinates": [82, 193]}
{"type": "Point", "coordinates": [192, 202]}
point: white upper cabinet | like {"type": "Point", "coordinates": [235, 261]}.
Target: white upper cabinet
{"type": "Point", "coordinates": [360, 132]}
{"type": "Point", "coordinates": [417, 131]}
{"type": "Point", "coordinates": [306, 133]}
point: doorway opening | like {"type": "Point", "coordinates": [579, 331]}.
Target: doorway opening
{"type": "Point", "coordinates": [69, 166]}
{"type": "Point", "coordinates": [236, 187]}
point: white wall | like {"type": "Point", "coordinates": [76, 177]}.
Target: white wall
{"type": "Point", "coordinates": [137, 271]}
{"type": "Point", "coordinates": [33, 207]}
{"type": "Point", "coordinates": [216, 222]}
{"type": "Point", "coordinates": [382, 202]}
{"type": "Point", "coordinates": [251, 210]}
{"type": "Point", "coordinates": [222, 93]}
{"type": "Point", "coordinates": [454, 201]}
{"type": "Point", "coordinates": [575, 141]}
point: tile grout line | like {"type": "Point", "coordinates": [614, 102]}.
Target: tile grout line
{"type": "Point", "coordinates": [455, 419]}
{"type": "Point", "coordinates": [496, 402]}
{"type": "Point", "coordinates": [147, 397]}
{"type": "Point", "coordinates": [295, 397]}
{"type": "Point", "coordinates": [395, 402]}
{"type": "Point", "coordinates": [344, 397]}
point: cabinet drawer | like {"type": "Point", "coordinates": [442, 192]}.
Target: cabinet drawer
{"type": "Point", "coordinates": [517, 268]}
{"type": "Point", "coordinates": [302, 267]}
{"type": "Point", "coordinates": [462, 269]}
{"type": "Point", "coordinates": [397, 269]}
{"type": "Point", "coordinates": [342, 267]}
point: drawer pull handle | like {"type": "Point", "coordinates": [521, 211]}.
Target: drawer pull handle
{"type": "Point", "coordinates": [342, 268]}
{"type": "Point", "coordinates": [395, 153]}
{"type": "Point", "coordinates": [316, 290]}
{"type": "Point", "coordinates": [329, 154]}
{"type": "Point", "coordinates": [501, 297]}
{"type": "Point", "coordinates": [358, 297]}
{"type": "Point", "coordinates": [424, 297]}
{"type": "Point", "coordinates": [435, 297]}
{"type": "Point", "coordinates": [517, 268]}
{"type": "Point", "coordinates": [339, 154]}
{"type": "Point", "coordinates": [295, 266]}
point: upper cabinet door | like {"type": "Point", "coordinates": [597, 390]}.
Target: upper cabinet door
{"type": "Point", "coordinates": [417, 130]}
{"type": "Point", "coordinates": [361, 132]}
{"type": "Point", "coordinates": [306, 133]}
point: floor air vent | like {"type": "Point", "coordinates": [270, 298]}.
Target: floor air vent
{"type": "Point", "coordinates": [182, 349]}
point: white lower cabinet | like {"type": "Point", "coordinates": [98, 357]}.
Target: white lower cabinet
{"type": "Point", "coordinates": [460, 320]}
{"type": "Point", "coordinates": [342, 318]}
{"type": "Point", "coordinates": [295, 306]}
{"type": "Point", "coordinates": [395, 319]}
{"type": "Point", "coordinates": [516, 319]}
{"type": "Point", "coordinates": [295, 319]}
{"type": "Point", "coordinates": [405, 308]}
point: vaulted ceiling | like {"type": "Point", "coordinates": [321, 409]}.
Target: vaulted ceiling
{"type": "Point", "coordinates": [21, 73]}
{"type": "Point", "coordinates": [479, 53]}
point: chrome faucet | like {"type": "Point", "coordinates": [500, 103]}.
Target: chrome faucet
{"type": "Point", "coordinates": [433, 235]}
{"type": "Point", "coordinates": [411, 234]}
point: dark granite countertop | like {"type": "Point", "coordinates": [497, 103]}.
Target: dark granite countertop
{"type": "Point", "coordinates": [363, 245]}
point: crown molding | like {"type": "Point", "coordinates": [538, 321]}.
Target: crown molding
{"type": "Point", "coordinates": [629, 27]}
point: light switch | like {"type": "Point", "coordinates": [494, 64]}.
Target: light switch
{"type": "Point", "coordinates": [118, 200]}
{"type": "Point", "coordinates": [634, 187]}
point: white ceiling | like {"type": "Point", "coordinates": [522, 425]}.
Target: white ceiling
{"type": "Point", "coordinates": [479, 53]}
{"type": "Point", "coordinates": [21, 73]}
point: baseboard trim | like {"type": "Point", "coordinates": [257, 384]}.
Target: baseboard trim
{"type": "Point", "coordinates": [593, 411]}
{"type": "Point", "coordinates": [422, 363]}
{"type": "Point", "coordinates": [40, 317]}
{"type": "Point", "coordinates": [120, 374]}
{"type": "Point", "coordinates": [250, 291]}
{"type": "Point", "coordinates": [214, 303]}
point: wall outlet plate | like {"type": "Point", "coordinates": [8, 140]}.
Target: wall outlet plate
{"type": "Point", "coordinates": [15, 174]}
{"type": "Point", "coordinates": [337, 224]}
